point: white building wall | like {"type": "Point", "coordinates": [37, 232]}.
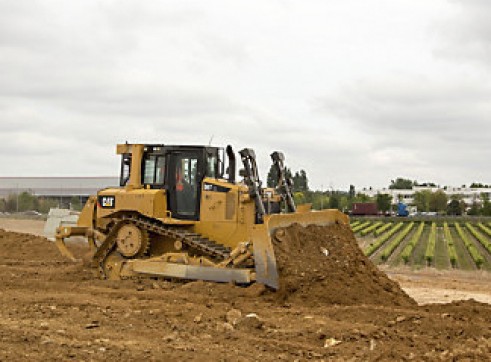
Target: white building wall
{"type": "Point", "coordinates": [469, 195]}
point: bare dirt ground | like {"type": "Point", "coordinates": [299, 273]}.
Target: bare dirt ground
{"type": "Point", "coordinates": [22, 225]}
{"type": "Point", "coordinates": [53, 309]}
{"type": "Point", "coordinates": [442, 286]}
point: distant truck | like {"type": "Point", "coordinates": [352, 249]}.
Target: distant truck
{"type": "Point", "coordinates": [402, 210]}
{"type": "Point", "coordinates": [364, 208]}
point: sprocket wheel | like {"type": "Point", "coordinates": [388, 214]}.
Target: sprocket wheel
{"type": "Point", "coordinates": [132, 241]}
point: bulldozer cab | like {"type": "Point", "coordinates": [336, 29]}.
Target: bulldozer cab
{"type": "Point", "coordinates": [177, 169]}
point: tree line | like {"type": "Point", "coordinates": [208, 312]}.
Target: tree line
{"type": "Point", "coordinates": [25, 201]}
{"type": "Point", "coordinates": [424, 200]}
{"type": "Point", "coordinates": [401, 183]}
{"type": "Point", "coordinates": [320, 199]}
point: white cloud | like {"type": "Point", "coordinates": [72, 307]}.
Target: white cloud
{"type": "Point", "coordinates": [353, 92]}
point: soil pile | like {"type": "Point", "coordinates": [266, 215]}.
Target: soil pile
{"type": "Point", "coordinates": [27, 247]}
{"type": "Point", "coordinates": [324, 265]}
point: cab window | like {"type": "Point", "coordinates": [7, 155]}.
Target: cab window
{"type": "Point", "coordinates": [211, 166]}
{"type": "Point", "coordinates": [160, 170]}
{"type": "Point", "coordinates": [153, 170]}
{"type": "Point", "coordinates": [149, 170]}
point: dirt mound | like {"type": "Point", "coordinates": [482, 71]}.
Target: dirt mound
{"type": "Point", "coordinates": [324, 265]}
{"type": "Point", "coordinates": [317, 265]}
{"type": "Point", "coordinates": [27, 246]}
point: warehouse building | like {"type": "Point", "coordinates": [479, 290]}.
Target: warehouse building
{"type": "Point", "coordinates": [62, 189]}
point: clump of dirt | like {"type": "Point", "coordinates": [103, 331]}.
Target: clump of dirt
{"type": "Point", "coordinates": [324, 265]}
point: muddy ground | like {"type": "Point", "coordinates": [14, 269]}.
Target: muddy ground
{"type": "Point", "coordinates": [54, 309]}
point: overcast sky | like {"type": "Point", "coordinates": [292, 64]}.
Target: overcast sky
{"type": "Point", "coordinates": [354, 92]}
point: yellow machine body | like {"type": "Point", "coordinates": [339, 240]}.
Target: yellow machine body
{"type": "Point", "coordinates": [224, 242]}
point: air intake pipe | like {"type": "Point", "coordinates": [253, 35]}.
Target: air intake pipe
{"type": "Point", "coordinates": [231, 164]}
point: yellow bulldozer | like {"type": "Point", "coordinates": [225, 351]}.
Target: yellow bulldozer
{"type": "Point", "coordinates": [179, 213]}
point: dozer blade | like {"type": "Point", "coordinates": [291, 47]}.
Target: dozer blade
{"type": "Point", "coordinates": [262, 236]}
{"type": "Point", "coordinates": [191, 272]}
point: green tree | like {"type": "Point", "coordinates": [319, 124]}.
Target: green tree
{"type": "Point", "coordinates": [438, 201]}
{"type": "Point", "coordinates": [351, 197]}
{"type": "Point", "coordinates": [454, 208]}
{"type": "Point", "coordinates": [360, 197]}
{"type": "Point", "coordinates": [475, 209]}
{"type": "Point", "coordinates": [401, 184]}
{"type": "Point", "coordinates": [305, 180]}
{"type": "Point", "coordinates": [334, 201]}
{"type": "Point", "coordinates": [272, 178]}
{"type": "Point", "coordinates": [320, 200]}
{"type": "Point", "coordinates": [478, 185]}
{"type": "Point", "coordinates": [422, 200]}
{"type": "Point", "coordinates": [384, 202]}
{"type": "Point", "coordinates": [486, 205]}
{"type": "Point", "coordinates": [352, 191]}
{"type": "Point", "coordinates": [27, 201]}
{"type": "Point", "coordinates": [427, 184]}
{"type": "Point", "coordinates": [344, 203]}
{"type": "Point", "coordinates": [75, 203]}
{"type": "Point", "coordinates": [11, 204]}
{"type": "Point", "coordinates": [46, 204]}
{"type": "Point", "coordinates": [299, 198]}
{"type": "Point", "coordinates": [300, 181]}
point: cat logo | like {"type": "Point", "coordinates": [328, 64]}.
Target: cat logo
{"type": "Point", "coordinates": [107, 202]}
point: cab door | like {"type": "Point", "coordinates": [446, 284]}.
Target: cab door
{"type": "Point", "coordinates": [184, 178]}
